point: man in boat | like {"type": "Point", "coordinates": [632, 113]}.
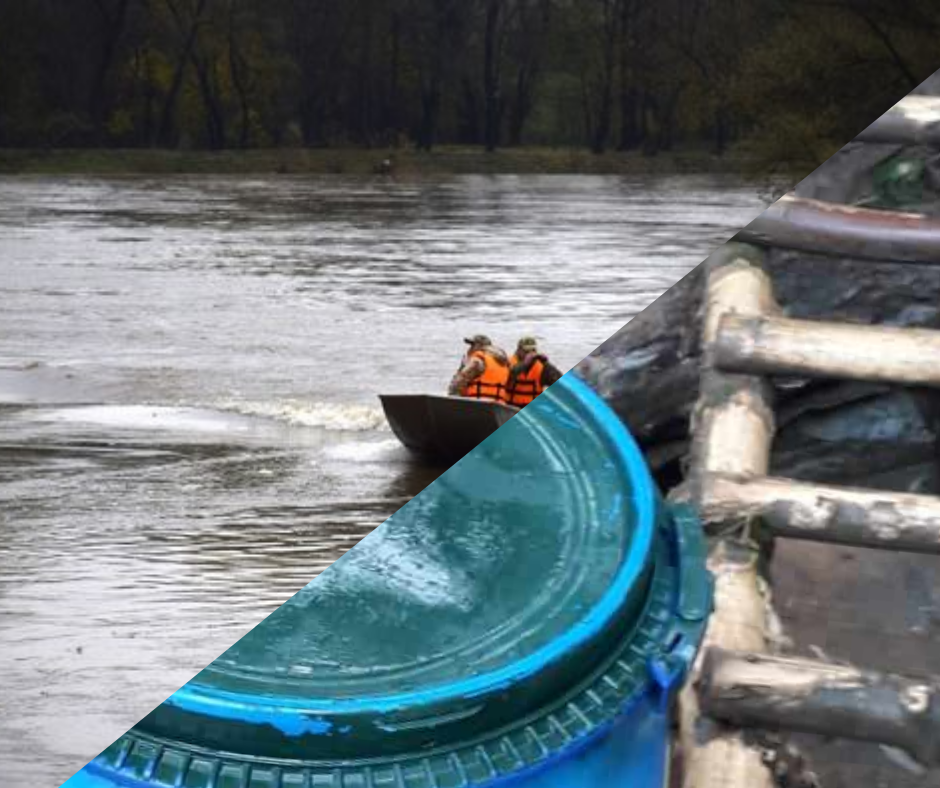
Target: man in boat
{"type": "Point", "coordinates": [530, 373]}
{"type": "Point", "coordinates": [483, 373]}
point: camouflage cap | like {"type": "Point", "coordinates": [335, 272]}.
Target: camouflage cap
{"type": "Point", "coordinates": [479, 340]}
{"type": "Point", "coordinates": [528, 343]}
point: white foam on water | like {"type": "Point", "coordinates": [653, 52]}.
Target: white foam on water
{"type": "Point", "coordinates": [143, 417]}
{"type": "Point", "coordinates": [234, 417]}
{"type": "Point", "coordinates": [363, 451]}
{"type": "Point", "coordinates": [341, 417]}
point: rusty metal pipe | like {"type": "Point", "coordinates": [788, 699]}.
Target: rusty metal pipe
{"type": "Point", "coordinates": [829, 228]}
{"type": "Point", "coordinates": [912, 121]}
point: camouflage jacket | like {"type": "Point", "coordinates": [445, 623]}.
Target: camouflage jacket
{"type": "Point", "coordinates": [470, 369]}
{"type": "Point", "coordinates": [550, 373]}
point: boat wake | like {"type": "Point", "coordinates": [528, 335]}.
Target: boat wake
{"type": "Point", "coordinates": [365, 451]}
{"type": "Point", "coordinates": [225, 417]}
{"type": "Point", "coordinates": [141, 417]}
{"type": "Point", "coordinates": [333, 416]}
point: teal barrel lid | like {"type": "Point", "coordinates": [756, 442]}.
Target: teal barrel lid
{"type": "Point", "coordinates": [516, 609]}
{"type": "Point", "coordinates": [474, 603]}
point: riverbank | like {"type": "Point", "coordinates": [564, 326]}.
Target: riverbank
{"type": "Point", "coordinates": [358, 161]}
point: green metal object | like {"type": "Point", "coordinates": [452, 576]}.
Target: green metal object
{"type": "Point", "coordinates": [898, 184]}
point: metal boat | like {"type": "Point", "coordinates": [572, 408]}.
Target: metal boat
{"type": "Point", "coordinates": [443, 429]}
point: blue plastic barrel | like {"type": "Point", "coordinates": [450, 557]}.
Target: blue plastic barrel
{"type": "Point", "coordinates": [525, 620]}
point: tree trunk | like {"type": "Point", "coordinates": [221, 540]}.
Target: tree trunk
{"type": "Point", "coordinates": [165, 135]}
{"type": "Point", "coordinates": [237, 70]}
{"type": "Point", "coordinates": [521, 106]}
{"type": "Point", "coordinates": [470, 116]}
{"type": "Point", "coordinates": [630, 137]}
{"type": "Point", "coordinates": [433, 76]}
{"type": "Point", "coordinates": [667, 122]}
{"type": "Point", "coordinates": [215, 117]}
{"type": "Point", "coordinates": [650, 124]}
{"type": "Point", "coordinates": [98, 103]}
{"type": "Point", "coordinates": [427, 130]}
{"type": "Point", "coordinates": [491, 87]}
{"type": "Point", "coordinates": [365, 114]}
{"type": "Point", "coordinates": [142, 99]}
{"type": "Point", "coordinates": [392, 121]}
{"type": "Point", "coordinates": [601, 130]}
{"type": "Point", "coordinates": [148, 137]}
{"type": "Point", "coordinates": [721, 129]}
{"type": "Point", "coordinates": [605, 93]}
{"type": "Point", "coordinates": [531, 25]}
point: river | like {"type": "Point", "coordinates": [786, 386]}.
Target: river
{"type": "Point", "coordinates": [189, 429]}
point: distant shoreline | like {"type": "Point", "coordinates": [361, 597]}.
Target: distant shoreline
{"type": "Point", "coordinates": [445, 160]}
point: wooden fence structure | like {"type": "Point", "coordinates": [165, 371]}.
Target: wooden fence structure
{"type": "Point", "coordinates": [738, 684]}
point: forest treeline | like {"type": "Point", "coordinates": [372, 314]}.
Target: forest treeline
{"type": "Point", "coordinates": [789, 78]}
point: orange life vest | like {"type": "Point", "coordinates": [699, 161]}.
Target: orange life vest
{"type": "Point", "coordinates": [527, 386]}
{"type": "Point", "coordinates": [492, 383]}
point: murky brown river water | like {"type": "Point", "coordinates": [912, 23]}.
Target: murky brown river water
{"type": "Point", "coordinates": [189, 429]}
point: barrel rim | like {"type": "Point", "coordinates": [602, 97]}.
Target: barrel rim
{"type": "Point", "coordinates": [616, 691]}
{"type": "Point", "coordinates": [283, 712]}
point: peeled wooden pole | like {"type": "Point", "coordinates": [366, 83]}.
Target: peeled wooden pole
{"type": "Point", "coordinates": [776, 345]}
{"type": "Point", "coordinates": [839, 515]}
{"type": "Point", "coordinates": [815, 697]}
{"type": "Point", "coordinates": [732, 427]}
{"type": "Point", "coordinates": [831, 228]}
{"type": "Point", "coordinates": [732, 424]}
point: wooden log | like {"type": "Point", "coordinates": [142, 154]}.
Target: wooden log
{"type": "Point", "coordinates": [711, 754]}
{"type": "Point", "coordinates": [914, 120]}
{"type": "Point", "coordinates": [838, 515]}
{"type": "Point", "coordinates": [829, 228]}
{"type": "Point", "coordinates": [732, 424]}
{"type": "Point", "coordinates": [808, 348]}
{"type": "Point", "coordinates": [756, 690]}
{"type": "Point", "coordinates": [732, 427]}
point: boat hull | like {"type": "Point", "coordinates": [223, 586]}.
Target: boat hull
{"type": "Point", "coordinates": [443, 429]}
